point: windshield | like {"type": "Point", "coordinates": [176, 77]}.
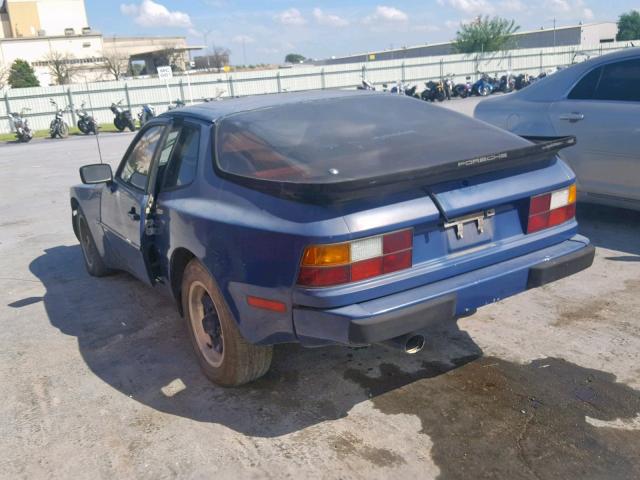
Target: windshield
{"type": "Point", "coordinates": [348, 138]}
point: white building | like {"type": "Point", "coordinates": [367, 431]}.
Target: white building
{"type": "Point", "coordinates": [34, 29]}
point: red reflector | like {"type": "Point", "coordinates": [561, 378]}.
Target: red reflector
{"type": "Point", "coordinates": [394, 242]}
{"type": "Point", "coordinates": [538, 222]}
{"type": "Point", "coordinates": [366, 269]}
{"type": "Point", "coordinates": [397, 261]}
{"type": "Point", "coordinates": [540, 204]}
{"type": "Point", "coordinates": [323, 276]}
{"type": "Point", "coordinates": [266, 304]}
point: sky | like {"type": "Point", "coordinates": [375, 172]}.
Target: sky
{"type": "Point", "coordinates": [265, 31]}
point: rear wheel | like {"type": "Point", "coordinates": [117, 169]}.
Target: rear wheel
{"type": "Point", "coordinates": [92, 259]}
{"type": "Point", "coordinates": [118, 124]}
{"type": "Point", "coordinates": [224, 356]}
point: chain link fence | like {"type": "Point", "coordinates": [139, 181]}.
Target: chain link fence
{"type": "Point", "coordinates": [195, 87]}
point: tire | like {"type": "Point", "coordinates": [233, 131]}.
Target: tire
{"type": "Point", "coordinates": [82, 127]}
{"type": "Point", "coordinates": [131, 125]}
{"type": "Point", "coordinates": [440, 96]}
{"type": "Point", "coordinates": [226, 359]}
{"type": "Point", "coordinates": [484, 91]}
{"type": "Point", "coordinates": [92, 260]}
{"type": "Point", "coordinates": [63, 131]}
{"type": "Point", "coordinates": [118, 124]}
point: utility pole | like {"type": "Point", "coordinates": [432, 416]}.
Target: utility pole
{"type": "Point", "coordinates": [554, 32]}
{"type": "Point", "coordinates": [205, 36]}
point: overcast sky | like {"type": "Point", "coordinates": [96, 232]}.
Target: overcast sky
{"type": "Point", "coordinates": [270, 29]}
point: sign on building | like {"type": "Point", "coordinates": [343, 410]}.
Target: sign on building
{"type": "Point", "coordinates": [165, 73]}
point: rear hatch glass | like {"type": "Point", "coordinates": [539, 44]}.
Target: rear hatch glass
{"type": "Point", "coordinates": [353, 138]}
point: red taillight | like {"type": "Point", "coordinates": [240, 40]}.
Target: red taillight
{"type": "Point", "coordinates": [551, 209]}
{"type": "Point", "coordinates": [325, 265]}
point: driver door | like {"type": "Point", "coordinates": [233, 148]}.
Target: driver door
{"type": "Point", "coordinates": [124, 203]}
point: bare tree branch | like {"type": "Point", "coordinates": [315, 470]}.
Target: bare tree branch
{"type": "Point", "coordinates": [116, 62]}
{"type": "Point", "coordinates": [60, 66]}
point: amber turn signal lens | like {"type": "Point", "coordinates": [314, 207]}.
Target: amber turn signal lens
{"type": "Point", "coordinates": [316, 255]}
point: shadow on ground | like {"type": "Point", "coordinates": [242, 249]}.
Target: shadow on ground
{"type": "Point", "coordinates": [611, 228]}
{"type": "Point", "coordinates": [485, 416]}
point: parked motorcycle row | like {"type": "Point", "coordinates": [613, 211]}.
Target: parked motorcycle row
{"type": "Point", "coordinates": [58, 128]}
{"type": "Point", "coordinates": [445, 88]}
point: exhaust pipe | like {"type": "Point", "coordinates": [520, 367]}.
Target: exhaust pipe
{"type": "Point", "coordinates": [410, 343]}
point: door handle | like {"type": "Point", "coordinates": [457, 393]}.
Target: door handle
{"type": "Point", "coordinates": [572, 117]}
{"type": "Point", "coordinates": [133, 215]}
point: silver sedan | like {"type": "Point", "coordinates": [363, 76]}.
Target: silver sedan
{"type": "Point", "coordinates": [598, 101]}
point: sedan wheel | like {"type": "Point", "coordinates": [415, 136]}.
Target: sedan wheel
{"type": "Point", "coordinates": [225, 357]}
{"type": "Point", "coordinates": [92, 260]}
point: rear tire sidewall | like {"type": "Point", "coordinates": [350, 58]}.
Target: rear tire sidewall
{"type": "Point", "coordinates": [92, 260]}
{"type": "Point", "coordinates": [241, 361]}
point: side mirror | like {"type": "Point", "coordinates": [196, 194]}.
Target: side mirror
{"type": "Point", "coordinates": [96, 173]}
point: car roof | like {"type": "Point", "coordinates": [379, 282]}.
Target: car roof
{"type": "Point", "coordinates": [557, 85]}
{"type": "Point", "coordinates": [215, 110]}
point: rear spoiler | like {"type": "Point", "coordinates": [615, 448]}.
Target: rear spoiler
{"type": "Point", "coordinates": [543, 149]}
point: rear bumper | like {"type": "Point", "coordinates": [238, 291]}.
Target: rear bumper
{"type": "Point", "coordinates": [423, 307]}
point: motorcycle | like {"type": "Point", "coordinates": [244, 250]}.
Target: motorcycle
{"type": "Point", "coordinates": [86, 123]}
{"type": "Point", "coordinates": [434, 91]}
{"type": "Point", "coordinates": [21, 126]}
{"type": "Point", "coordinates": [146, 114]}
{"type": "Point", "coordinates": [58, 127]}
{"type": "Point", "coordinates": [507, 83]}
{"type": "Point", "coordinates": [365, 86]}
{"type": "Point", "coordinates": [485, 86]}
{"type": "Point", "coordinates": [123, 118]}
{"type": "Point", "coordinates": [411, 91]}
{"type": "Point", "coordinates": [523, 80]}
{"type": "Point", "coordinates": [177, 104]}
{"type": "Point", "coordinates": [448, 86]}
{"type": "Point", "coordinates": [463, 90]}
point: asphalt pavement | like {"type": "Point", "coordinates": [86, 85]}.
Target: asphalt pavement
{"type": "Point", "coordinates": [99, 380]}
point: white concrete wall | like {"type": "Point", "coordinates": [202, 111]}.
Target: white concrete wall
{"type": "Point", "coordinates": [594, 33]}
{"type": "Point", "coordinates": [56, 15]}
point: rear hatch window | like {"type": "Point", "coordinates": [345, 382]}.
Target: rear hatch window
{"type": "Point", "coordinates": [352, 138]}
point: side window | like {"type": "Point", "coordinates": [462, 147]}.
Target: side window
{"type": "Point", "coordinates": [586, 87]}
{"type": "Point", "coordinates": [181, 169]}
{"type": "Point", "coordinates": [620, 81]}
{"type": "Point", "coordinates": [135, 170]}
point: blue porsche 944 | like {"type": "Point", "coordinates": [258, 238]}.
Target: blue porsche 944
{"type": "Point", "coordinates": [329, 217]}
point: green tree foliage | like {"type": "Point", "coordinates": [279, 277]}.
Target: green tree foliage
{"type": "Point", "coordinates": [294, 58]}
{"type": "Point", "coordinates": [22, 75]}
{"type": "Point", "coordinates": [629, 26]}
{"type": "Point", "coordinates": [485, 34]}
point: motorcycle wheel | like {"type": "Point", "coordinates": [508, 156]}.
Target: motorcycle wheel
{"type": "Point", "coordinates": [118, 124]}
{"type": "Point", "coordinates": [440, 96]}
{"type": "Point", "coordinates": [484, 90]}
{"type": "Point", "coordinates": [131, 125]}
{"type": "Point", "coordinates": [81, 126]}
{"type": "Point", "coordinates": [63, 131]}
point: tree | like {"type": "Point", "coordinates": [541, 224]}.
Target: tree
{"type": "Point", "coordinates": [22, 75]}
{"type": "Point", "coordinates": [116, 62]}
{"type": "Point", "coordinates": [485, 34]}
{"type": "Point", "coordinates": [218, 59]}
{"type": "Point", "coordinates": [629, 26]}
{"type": "Point", "coordinates": [60, 66]}
{"type": "Point", "coordinates": [294, 58]}
{"type": "Point", "coordinates": [172, 56]}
